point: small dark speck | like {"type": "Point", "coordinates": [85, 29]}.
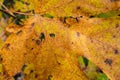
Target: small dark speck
{"type": "Point", "coordinates": [116, 51]}
{"type": "Point", "coordinates": [91, 40]}
{"type": "Point", "coordinates": [81, 16]}
{"type": "Point", "coordinates": [31, 71]}
{"type": "Point", "coordinates": [31, 48]}
{"type": "Point", "coordinates": [118, 14]}
{"type": "Point", "coordinates": [78, 7]}
{"type": "Point", "coordinates": [32, 24]}
{"type": "Point", "coordinates": [7, 45]}
{"type": "Point", "coordinates": [114, 36]}
{"type": "Point", "coordinates": [108, 61]}
{"type": "Point", "coordinates": [78, 34]}
{"type": "Point", "coordinates": [52, 35]}
{"type": "Point", "coordinates": [91, 16]}
{"type": "Point", "coordinates": [72, 42]}
{"type": "Point", "coordinates": [117, 25]}
{"type": "Point", "coordinates": [33, 39]}
{"type": "Point", "coordinates": [38, 42]}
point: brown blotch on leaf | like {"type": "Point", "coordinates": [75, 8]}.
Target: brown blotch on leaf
{"type": "Point", "coordinates": [108, 61]}
{"type": "Point", "coordinates": [7, 45]}
{"type": "Point", "coordinates": [36, 75]}
{"type": "Point", "coordinates": [38, 42]}
{"type": "Point", "coordinates": [116, 51]}
{"type": "Point", "coordinates": [114, 36]}
{"type": "Point", "coordinates": [117, 25]}
{"type": "Point", "coordinates": [78, 34]}
{"type": "Point", "coordinates": [31, 48]}
{"type": "Point", "coordinates": [33, 39]}
{"type": "Point", "coordinates": [31, 71]}
{"type": "Point", "coordinates": [78, 7]}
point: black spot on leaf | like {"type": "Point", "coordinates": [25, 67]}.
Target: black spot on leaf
{"type": "Point", "coordinates": [108, 61]}
{"type": "Point", "coordinates": [32, 48]}
{"type": "Point", "coordinates": [31, 71]}
{"type": "Point", "coordinates": [91, 16]}
{"type": "Point", "coordinates": [76, 19]}
{"type": "Point", "coordinates": [52, 35]}
{"type": "Point", "coordinates": [42, 37]}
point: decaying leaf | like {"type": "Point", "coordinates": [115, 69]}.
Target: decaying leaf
{"type": "Point", "coordinates": [50, 57]}
{"type": "Point", "coordinates": [47, 46]}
